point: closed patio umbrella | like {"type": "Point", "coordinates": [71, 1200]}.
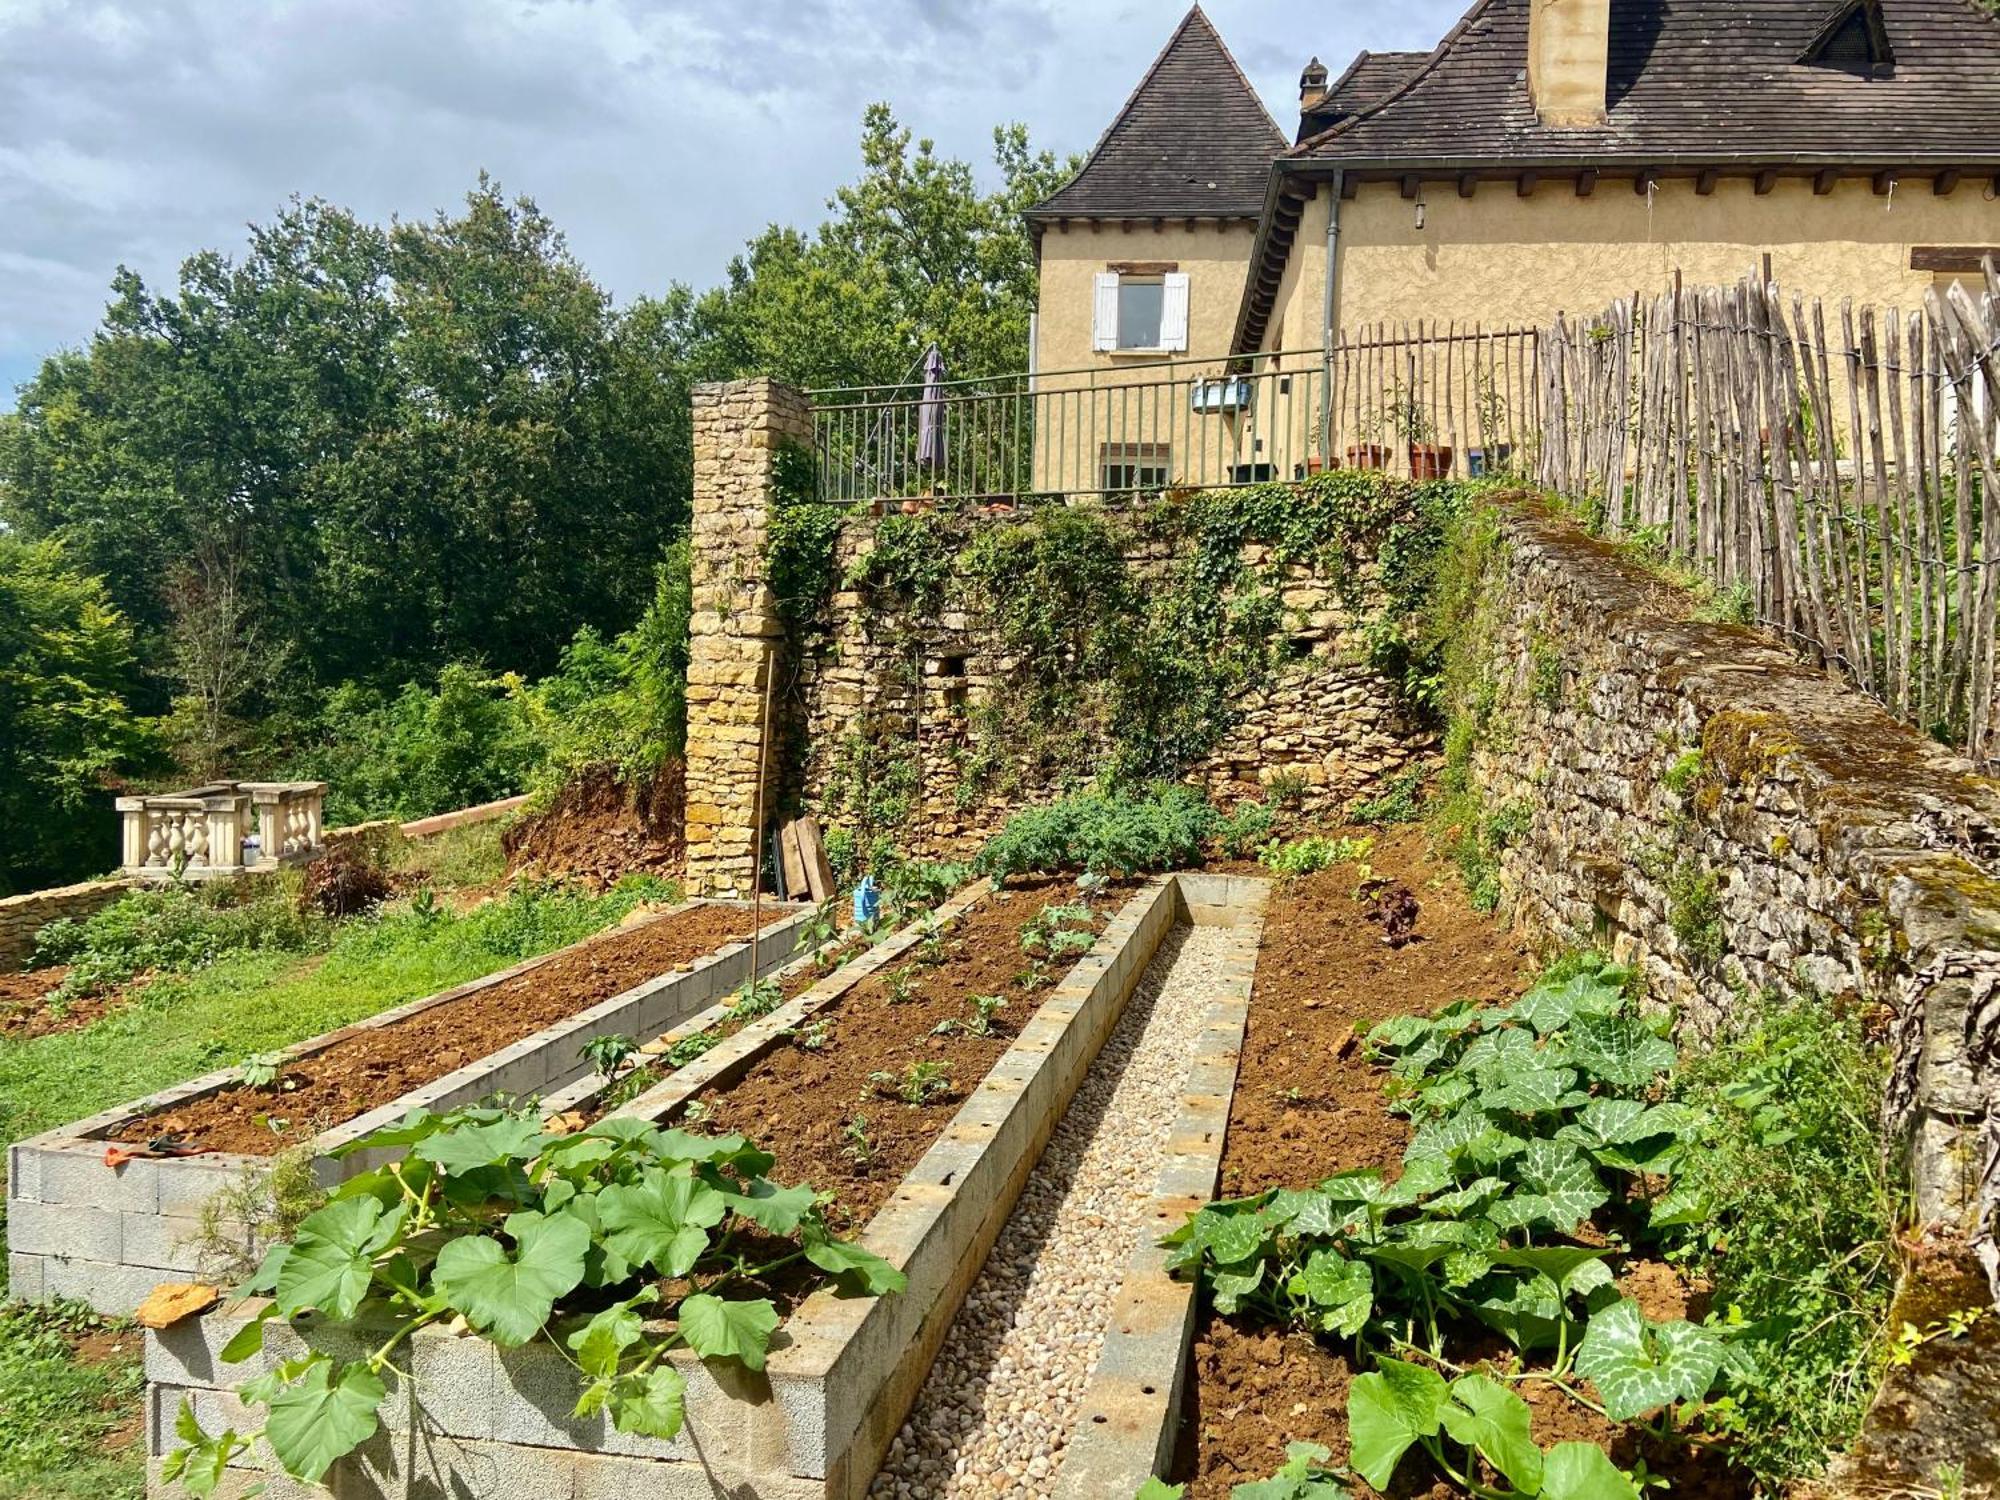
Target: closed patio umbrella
{"type": "Point", "coordinates": [930, 412]}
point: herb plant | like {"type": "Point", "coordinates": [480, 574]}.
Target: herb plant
{"type": "Point", "coordinates": [918, 1083]}
{"type": "Point", "coordinates": [607, 1054]}
{"type": "Point", "coordinates": [260, 1070]}
{"type": "Point", "coordinates": [589, 1242]}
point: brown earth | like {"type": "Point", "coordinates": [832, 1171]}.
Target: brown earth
{"type": "Point", "coordinates": [1307, 1105]}
{"type": "Point", "coordinates": [601, 827]}
{"type": "Point", "coordinates": [369, 1066]}
{"type": "Point", "coordinates": [802, 1103]}
{"type": "Point", "coordinates": [28, 1008]}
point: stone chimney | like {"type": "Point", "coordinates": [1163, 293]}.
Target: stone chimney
{"type": "Point", "coordinates": [1312, 85]}
{"type": "Point", "coordinates": [1569, 54]}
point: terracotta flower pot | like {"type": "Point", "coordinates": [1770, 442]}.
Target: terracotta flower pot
{"type": "Point", "coordinates": [1368, 456]}
{"type": "Point", "coordinates": [1429, 461]}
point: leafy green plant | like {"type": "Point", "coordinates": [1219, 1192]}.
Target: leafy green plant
{"type": "Point", "coordinates": [1308, 856]}
{"type": "Point", "coordinates": [860, 1145]}
{"type": "Point", "coordinates": [1401, 801]}
{"type": "Point", "coordinates": [919, 1082]}
{"type": "Point", "coordinates": [1694, 912]}
{"type": "Point", "coordinates": [816, 1037]}
{"type": "Point", "coordinates": [176, 929]}
{"type": "Point", "coordinates": [1400, 1405]}
{"type": "Point", "coordinates": [1161, 828]}
{"type": "Point", "coordinates": [260, 1070]}
{"type": "Point", "coordinates": [489, 1219]}
{"type": "Point", "coordinates": [984, 1009]}
{"type": "Point", "coordinates": [607, 1054]}
{"type": "Point", "coordinates": [1304, 1475]}
{"type": "Point", "coordinates": [754, 998]}
{"type": "Point", "coordinates": [900, 988]}
{"type": "Point", "coordinates": [1243, 830]}
{"type": "Point", "coordinates": [1288, 787]}
{"type": "Point", "coordinates": [1055, 933]}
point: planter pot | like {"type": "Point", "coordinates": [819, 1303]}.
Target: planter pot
{"type": "Point", "coordinates": [1429, 461]}
{"type": "Point", "coordinates": [1315, 465]}
{"type": "Point", "coordinates": [1368, 456]}
{"type": "Point", "coordinates": [1483, 461]}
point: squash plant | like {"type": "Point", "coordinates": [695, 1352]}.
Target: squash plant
{"type": "Point", "coordinates": [654, 1240]}
{"type": "Point", "coordinates": [1529, 1119]}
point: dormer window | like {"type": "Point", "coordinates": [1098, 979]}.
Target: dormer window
{"type": "Point", "coordinates": [1853, 39]}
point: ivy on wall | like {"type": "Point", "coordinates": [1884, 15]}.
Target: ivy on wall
{"type": "Point", "coordinates": [1114, 670]}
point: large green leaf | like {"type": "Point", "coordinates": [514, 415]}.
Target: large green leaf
{"type": "Point", "coordinates": [1482, 1413]}
{"type": "Point", "coordinates": [1617, 1050]}
{"type": "Point", "coordinates": [1559, 1188]}
{"type": "Point", "coordinates": [662, 1220]}
{"type": "Point", "coordinates": [859, 1267]}
{"type": "Point", "coordinates": [1570, 1269]}
{"type": "Point", "coordinates": [470, 1147]}
{"type": "Point", "coordinates": [1549, 1007]}
{"type": "Point", "coordinates": [778, 1209]}
{"type": "Point", "coordinates": [601, 1343]}
{"type": "Point", "coordinates": [1684, 1203]}
{"type": "Point", "coordinates": [716, 1329]}
{"type": "Point", "coordinates": [331, 1261]}
{"type": "Point", "coordinates": [1342, 1291]}
{"type": "Point", "coordinates": [1388, 1410]}
{"type": "Point", "coordinates": [510, 1297]}
{"type": "Point", "coordinates": [1526, 1310]}
{"type": "Point", "coordinates": [1494, 1055]}
{"type": "Point", "coordinates": [652, 1404]}
{"type": "Point", "coordinates": [1302, 1211]}
{"type": "Point", "coordinates": [1638, 1365]}
{"type": "Point", "coordinates": [1530, 1091]}
{"type": "Point", "coordinates": [1580, 1471]}
{"type": "Point", "coordinates": [315, 1419]}
{"type": "Point", "coordinates": [1229, 1285]}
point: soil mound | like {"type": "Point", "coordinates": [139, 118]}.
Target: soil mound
{"type": "Point", "coordinates": [601, 826]}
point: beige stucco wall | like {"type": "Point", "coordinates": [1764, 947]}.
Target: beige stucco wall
{"type": "Point", "coordinates": [1500, 258]}
{"type": "Point", "coordinates": [1091, 398]}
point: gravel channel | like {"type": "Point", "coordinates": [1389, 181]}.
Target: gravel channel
{"type": "Point", "coordinates": [997, 1409]}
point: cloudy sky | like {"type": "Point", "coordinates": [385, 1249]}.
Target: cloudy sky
{"type": "Point", "coordinates": [658, 133]}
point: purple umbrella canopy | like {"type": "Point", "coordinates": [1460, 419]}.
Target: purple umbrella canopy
{"type": "Point", "coordinates": [930, 412]}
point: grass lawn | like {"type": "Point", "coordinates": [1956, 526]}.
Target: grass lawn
{"type": "Point", "coordinates": [57, 1410]}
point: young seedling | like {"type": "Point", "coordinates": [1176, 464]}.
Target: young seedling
{"type": "Point", "coordinates": [260, 1070]}
{"type": "Point", "coordinates": [607, 1054]}
{"type": "Point", "coordinates": [918, 1083]}
{"type": "Point", "coordinates": [860, 1149]}
{"type": "Point", "coordinates": [902, 986]}
{"type": "Point", "coordinates": [984, 1009]}
{"type": "Point", "coordinates": [814, 1038]}
{"type": "Point", "coordinates": [754, 998]}
{"type": "Point", "coordinates": [931, 948]}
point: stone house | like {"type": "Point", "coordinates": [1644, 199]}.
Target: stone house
{"type": "Point", "coordinates": [1547, 155]}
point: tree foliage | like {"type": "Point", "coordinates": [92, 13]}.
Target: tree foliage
{"type": "Point", "coordinates": [66, 664]}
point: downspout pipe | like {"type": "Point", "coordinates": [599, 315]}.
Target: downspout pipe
{"type": "Point", "coordinates": [1329, 309]}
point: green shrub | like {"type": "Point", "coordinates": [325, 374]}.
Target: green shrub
{"type": "Point", "coordinates": [176, 929]}
{"type": "Point", "coordinates": [1308, 856]}
{"type": "Point", "coordinates": [1800, 1238]}
{"type": "Point", "coordinates": [1694, 911]}
{"type": "Point", "coordinates": [1245, 829]}
{"type": "Point", "coordinates": [1159, 828]}
{"type": "Point", "coordinates": [1401, 801]}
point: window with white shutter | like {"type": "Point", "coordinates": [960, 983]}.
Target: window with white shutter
{"type": "Point", "coordinates": [1104, 312]}
{"type": "Point", "coordinates": [1174, 311]}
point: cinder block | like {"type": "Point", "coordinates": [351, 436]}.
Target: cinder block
{"type": "Point", "coordinates": [76, 1173]}
{"type": "Point", "coordinates": [172, 1243]}
{"type": "Point", "coordinates": [24, 1173]}
{"type": "Point", "coordinates": [24, 1276]}
{"type": "Point", "coordinates": [67, 1229]}
{"type": "Point", "coordinates": [113, 1290]}
{"type": "Point", "coordinates": [187, 1185]}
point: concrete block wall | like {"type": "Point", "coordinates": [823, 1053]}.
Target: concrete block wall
{"type": "Point", "coordinates": [1850, 856]}
{"type": "Point", "coordinates": [740, 429]}
{"type": "Point", "coordinates": [845, 1370]}
{"type": "Point", "coordinates": [80, 1228]}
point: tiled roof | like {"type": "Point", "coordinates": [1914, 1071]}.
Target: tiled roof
{"type": "Point", "coordinates": [1696, 81]}
{"type": "Point", "coordinates": [1193, 140]}
{"type": "Point", "coordinates": [1369, 79]}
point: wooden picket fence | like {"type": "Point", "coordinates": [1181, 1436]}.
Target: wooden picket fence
{"type": "Point", "coordinates": [1839, 470]}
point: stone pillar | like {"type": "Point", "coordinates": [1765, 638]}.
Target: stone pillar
{"type": "Point", "coordinates": [739, 428]}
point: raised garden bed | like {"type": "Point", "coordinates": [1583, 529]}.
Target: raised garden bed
{"type": "Point", "coordinates": [85, 1222]}
{"type": "Point", "coordinates": [841, 1371]}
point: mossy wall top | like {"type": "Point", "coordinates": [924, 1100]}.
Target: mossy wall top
{"type": "Point", "coordinates": [1693, 797]}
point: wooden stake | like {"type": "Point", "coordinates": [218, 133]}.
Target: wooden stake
{"type": "Point", "coordinates": [757, 825]}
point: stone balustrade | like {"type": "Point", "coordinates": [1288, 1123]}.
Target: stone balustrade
{"type": "Point", "coordinates": [202, 833]}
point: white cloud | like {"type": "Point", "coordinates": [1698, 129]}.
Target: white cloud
{"type": "Point", "coordinates": [659, 134]}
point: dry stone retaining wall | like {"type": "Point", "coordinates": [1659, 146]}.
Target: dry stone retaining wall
{"type": "Point", "coordinates": [1660, 762]}
{"type": "Point", "coordinates": [23, 916]}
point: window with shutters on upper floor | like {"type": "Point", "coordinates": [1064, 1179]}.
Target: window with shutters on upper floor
{"type": "Point", "coordinates": [1140, 313]}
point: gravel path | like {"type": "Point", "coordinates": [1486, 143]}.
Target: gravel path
{"type": "Point", "coordinates": [995, 1413]}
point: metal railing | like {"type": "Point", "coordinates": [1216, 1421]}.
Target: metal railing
{"type": "Point", "coordinates": [1420, 403]}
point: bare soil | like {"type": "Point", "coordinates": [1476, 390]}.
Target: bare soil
{"type": "Point", "coordinates": [370, 1066]}
{"type": "Point", "coordinates": [601, 827]}
{"type": "Point", "coordinates": [28, 1008]}
{"type": "Point", "coordinates": [1307, 1105]}
{"type": "Point", "coordinates": [812, 1107]}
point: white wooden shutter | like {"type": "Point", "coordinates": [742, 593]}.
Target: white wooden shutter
{"type": "Point", "coordinates": [1104, 312]}
{"type": "Point", "coordinates": [1174, 311]}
